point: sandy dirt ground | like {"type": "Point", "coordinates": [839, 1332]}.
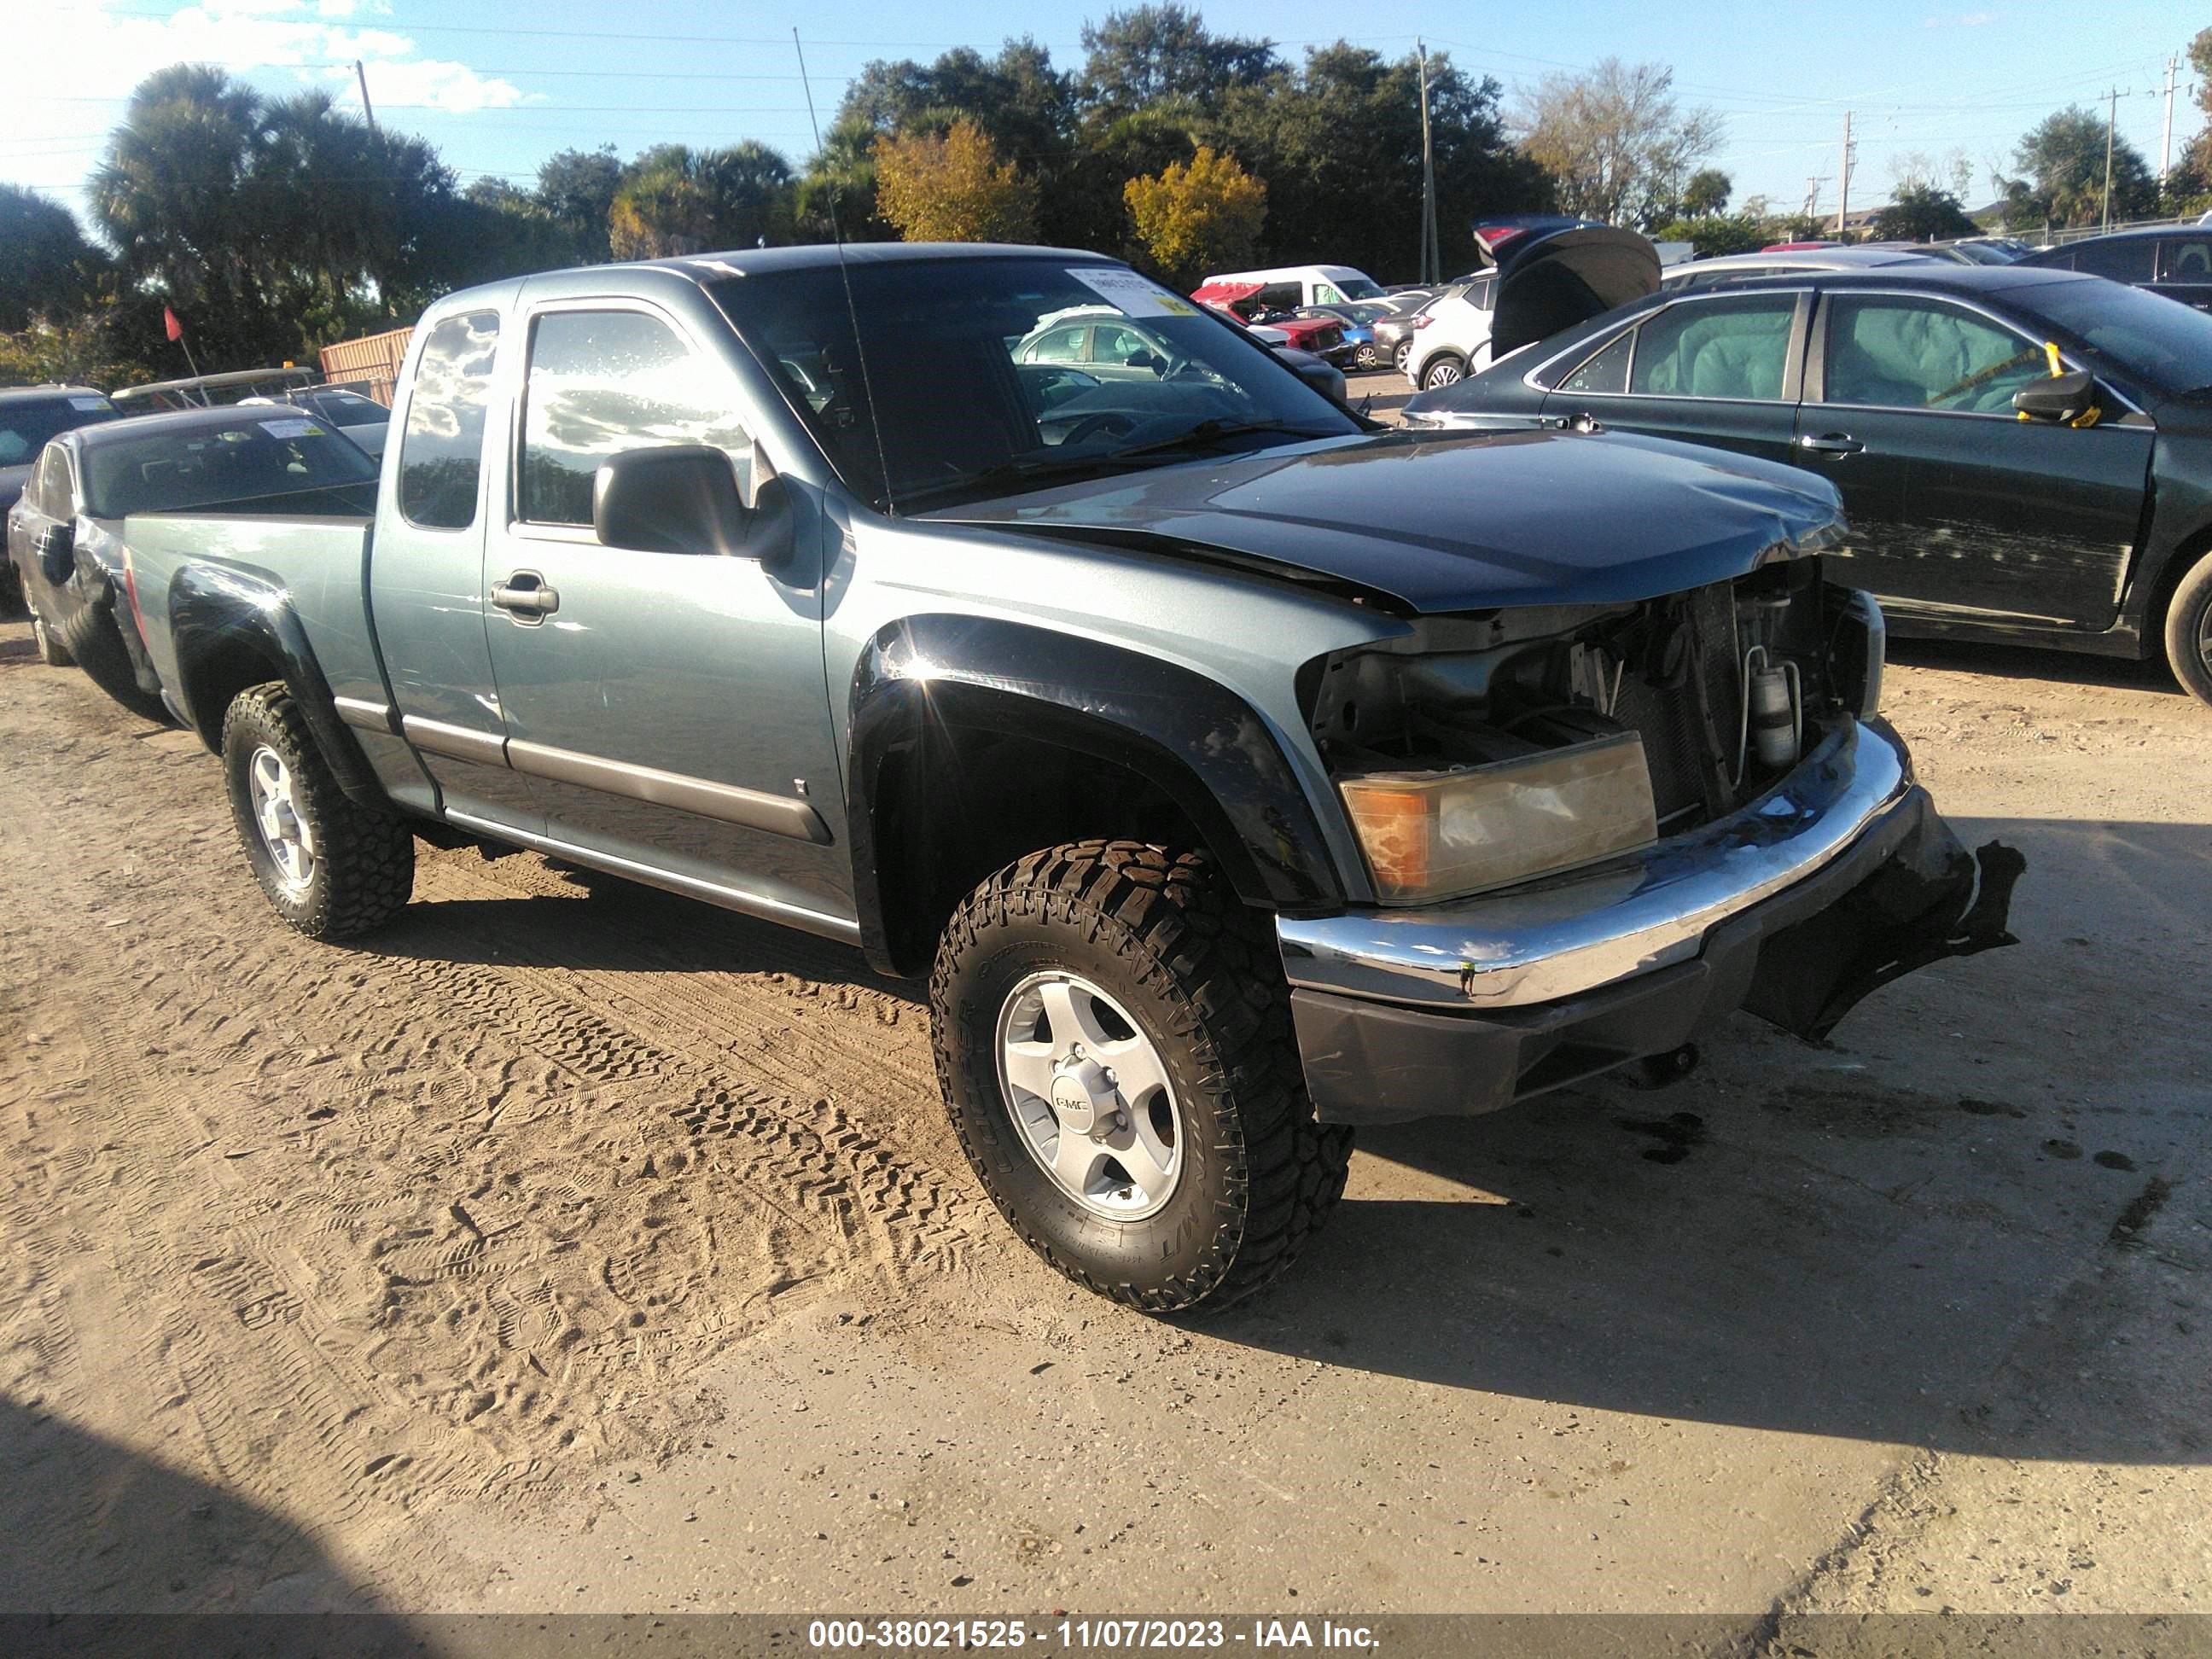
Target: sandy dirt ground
{"type": "Point", "coordinates": [571, 1247]}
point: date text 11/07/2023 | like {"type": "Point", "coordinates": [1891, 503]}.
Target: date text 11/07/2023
{"type": "Point", "coordinates": [1087, 1635]}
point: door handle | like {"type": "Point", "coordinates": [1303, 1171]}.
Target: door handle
{"type": "Point", "coordinates": [525, 596]}
{"type": "Point", "coordinates": [1831, 443]}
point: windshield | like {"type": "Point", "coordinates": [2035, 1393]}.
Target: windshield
{"type": "Point", "coordinates": [24, 425]}
{"type": "Point", "coordinates": [276, 454]}
{"type": "Point", "coordinates": [2159, 340]}
{"type": "Point", "coordinates": [989, 375]}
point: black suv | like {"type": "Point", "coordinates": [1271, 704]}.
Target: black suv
{"type": "Point", "coordinates": [2176, 261]}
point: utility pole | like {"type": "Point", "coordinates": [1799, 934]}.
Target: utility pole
{"type": "Point", "coordinates": [1843, 178]}
{"type": "Point", "coordinates": [2112, 116]}
{"type": "Point", "coordinates": [2165, 140]}
{"type": "Point", "coordinates": [368, 109]}
{"type": "Point", "coordinates": [1431, 256]}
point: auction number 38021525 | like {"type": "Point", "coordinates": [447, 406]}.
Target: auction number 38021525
{"type": "Point", "coordinates": [964, 1633]}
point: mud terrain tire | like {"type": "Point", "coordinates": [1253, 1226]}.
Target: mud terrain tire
{"type": "Point", "coordinates": [1161, 935]}
{"type": "Point", "coordinates": [360, 867]}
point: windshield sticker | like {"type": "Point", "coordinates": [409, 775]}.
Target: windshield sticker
{"type": "Point", "coordinates": [88, 402]}
{"type": "Point", "coordinates": [1131, 294]}
{"type": "Point", "coordinates": [291, 428]}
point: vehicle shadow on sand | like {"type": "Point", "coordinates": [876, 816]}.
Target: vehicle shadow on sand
{"type": "Point", "coordinates": [89, 1527]}
{"type": "Point", "coordinates": [1847, 1240]}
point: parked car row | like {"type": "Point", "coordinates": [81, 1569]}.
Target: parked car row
{"type": "Point", "coordinates": [280, 449]}
{"type": "Point", "coordinates": [2023, 454]}
{"type": "Point", "coordinates": [1236, 771]}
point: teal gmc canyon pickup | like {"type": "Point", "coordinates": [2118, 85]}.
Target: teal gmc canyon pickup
{"type": "Point", "coordinates": [1236, 772]}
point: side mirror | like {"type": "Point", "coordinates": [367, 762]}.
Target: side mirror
{"type": "Point", "coordinates": [56, 550]}
{"type": "Point", "coordinates": [682, 499]}
{"type": "Point", "coordinates": [2061, 399]}
{"type": "Point", "coordinates": [1145, 360]}
{"type": "Point", "coordinates": [1322, 375]}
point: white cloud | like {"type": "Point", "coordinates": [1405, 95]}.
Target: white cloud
{"type": "Point", "coordinates": [435, 83]}
{"type": "Point", "coordinates": [51, 135]}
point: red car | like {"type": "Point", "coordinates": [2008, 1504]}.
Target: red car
{"type": "Point", "coordinates": [1322, 336]}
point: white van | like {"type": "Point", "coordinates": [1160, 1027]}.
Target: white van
{"type": "Point", "coordinates": [1293, 287]}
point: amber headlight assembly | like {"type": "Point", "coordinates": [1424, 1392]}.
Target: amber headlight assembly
{"type": "Point", "coordinates": [1431, 835]}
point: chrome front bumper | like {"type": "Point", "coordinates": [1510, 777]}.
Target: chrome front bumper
{"type": "Point", "coordinates": [1577, 932]}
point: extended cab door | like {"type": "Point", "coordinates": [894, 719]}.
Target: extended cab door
{"type": "Point", "coordinates": [426, 578]}
{"type": "Point", "coordinates": [1960, 513]}
{"type": "Point", "coordinates": [669, 709]}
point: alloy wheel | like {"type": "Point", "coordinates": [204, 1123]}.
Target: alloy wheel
{"type": "Point", "coordinates": [1090, 1096]}
{"type": "Point", "coordinates": [284, 833]}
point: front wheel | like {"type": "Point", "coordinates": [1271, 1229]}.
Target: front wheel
{"type": "Point", "coordinates": [1446, 370]}
{"type": "Point", "coordinates": [1114, 1040]}
{"type": "Point", "coordinates": [2189, 631]}
{"type": "Point", "coordinates": [332, 867]}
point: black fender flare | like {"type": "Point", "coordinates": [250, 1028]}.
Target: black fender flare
{"type": "Point", "coordinates": [217, 612]}
{"type": "Point", "coordinates": [1196, 741]}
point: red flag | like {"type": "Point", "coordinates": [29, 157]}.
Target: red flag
{"type": "Point", "coordinates": [176, 329]}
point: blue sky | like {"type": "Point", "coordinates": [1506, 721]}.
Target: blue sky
{"type": "Point", "coordinates": [498, 84]}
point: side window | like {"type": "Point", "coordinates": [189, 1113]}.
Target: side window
{"type": "Point", "coordinates": [1325, 295]}
{"type": "Point", "coordinates": [1279, 296]}
{"type": "Point", "coordinates": [605, 381]}
{"type": "Point", "coordinates": [1606, 371]}
{"type": "Point", "coordinates": [1117, 345]}
{"type": "Point", "coordinates": [60, 484]}
{"type": "Point", "coordinates": [2126, 261]}
{"type": "Point", "coordinates": [1889, 353]}
{"type": "Point", "coordinates": [2186, 259]}
{"type": "Point", "coordinates": [1735, 348]}
{"type": "Point", "coordinates": [442, 452]}
{"type": "Point", "coordinates": [1062, 345]}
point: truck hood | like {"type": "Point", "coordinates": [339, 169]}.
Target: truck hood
{"type": "Point", "coordinates": [1456, 521]}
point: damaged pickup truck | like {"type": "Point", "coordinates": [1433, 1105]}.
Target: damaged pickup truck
{"type": "Point", "coordinates": [1236, 772]}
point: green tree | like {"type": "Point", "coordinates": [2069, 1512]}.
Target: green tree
{"type": "Point", "coordinates": [2062, 165]}
{"type": "Point", "coordinates": [1707, 193]}
{"type": "Point", "coordinates": [271, 227]}
{"type": "Point", "coordinates": [46, 266]}
{"type": "Point", "coordinates": [1338, 142]}
{"type": "Point", "coordinates": [1021, 103]}
{"type": "Point", "coordinates": [576, 189]}
{"type": "Point", "coordinates": [1712, 235]}
{"type": "Point", "coordinates": [1921, 213]}
{"type": "Point", "coordinates": [953, 188]}
{"type": "Point", "coordinates": [675, 199]}
{"type": "Point", "coordinates": [1617, 144]}
{"type": "Point", "coordinates": [1164, 54]}
{"type": "Point", "coordinates": [1206, 216]}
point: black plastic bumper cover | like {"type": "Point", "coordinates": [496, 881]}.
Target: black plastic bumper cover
{"type": "Point", "coordinates": [1908, 894]}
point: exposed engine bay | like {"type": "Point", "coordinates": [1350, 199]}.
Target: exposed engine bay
{"type": "Point", "coordinates": [1531, 716]}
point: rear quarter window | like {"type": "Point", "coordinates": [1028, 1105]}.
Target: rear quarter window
{"type": "Point", "coordinates": [441, 451]}
{"type": "Point", "coordinates": [2121, 262]}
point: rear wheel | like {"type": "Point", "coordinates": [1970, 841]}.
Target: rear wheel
{"type": "Point", "coordinates": [1400, 357]}
{"type": "Point", "coordinates": [1364, 357]}
{"type": "Point", "coordinates": [52, 651]}
{"type": "Point", "coordinates": [2189, 631]}
{"type": "Point", "coordinates": [1444, 369]}
{"type": "Point", "coordinates": [1114, 1040]}
{"type": "Point", "coordinates": [332, 867]}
